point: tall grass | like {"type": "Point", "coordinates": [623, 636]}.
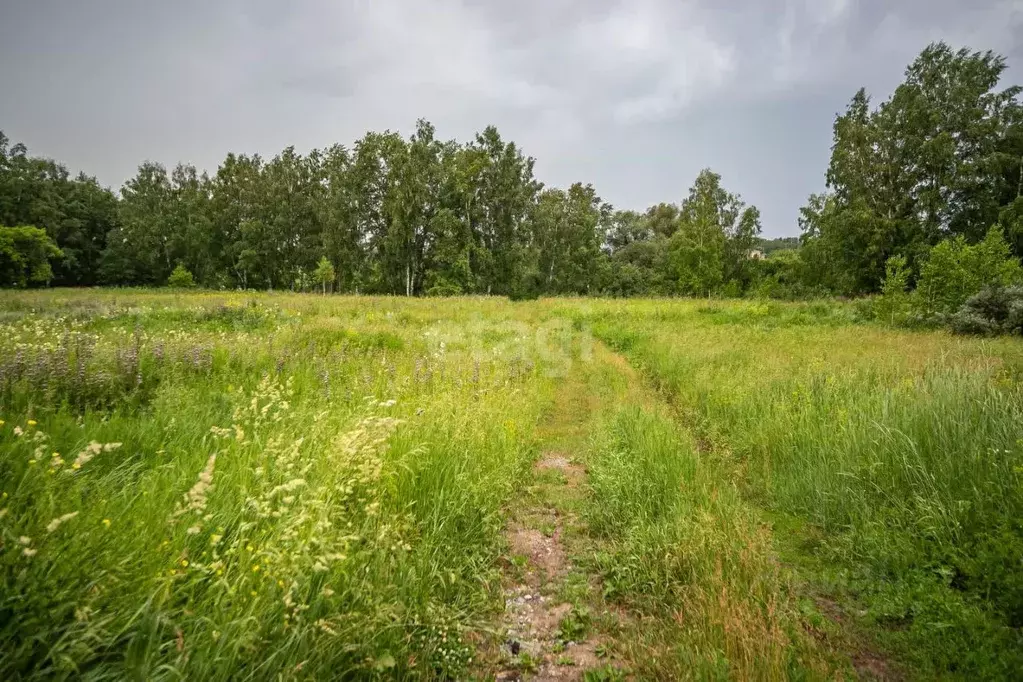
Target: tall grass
{"type": "Point", "coordinates": [281, 487]}
{"type": "Point", "coordinates": [903, 453]}
{"type": "Point", "coordinates": [678, 544]}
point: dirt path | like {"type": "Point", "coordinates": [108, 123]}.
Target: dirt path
{"type": "Point", "coordinates": [547, 636]}
{"type": "Point", "coordinates": [553, 620]}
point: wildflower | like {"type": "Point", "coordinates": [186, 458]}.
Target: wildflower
{"type": "Point", "coordinates": [255, 568]}
{"type": "Point", "coordinates": [214, 539]}
{"type": "Point", "coordinates": [25, 540]}
{"type": "Point", "coordinates": [195, 499]}
{"type": "Point", "coordinates": [90, 451]}
{"type": "Point", "coordinates": [254, 593]}
{"type": "Point", "coordinates": [106, 522]}
{"type": "Point", "coordinates": [56, 523]}
{"type": "Point", "coordinates": [193, 530]}
{"type": "Point", "coordinates": [184, 563]}
{"type": "Point", "coordinates": [18, 431]}
{"type": "Point", "coordinates": [32, 422]}
{"type": "Point", "coordinates": [29, 552]}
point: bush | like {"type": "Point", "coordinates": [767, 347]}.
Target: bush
{"type": "Point", "coordinates": [893, 306]}
{"type": "Point", "coordinates": [444, 289]}
{"type": "Point", "coordinates": [955, 270]}
{"type": "Point", "coordinates": [181, 278]}
{"type": "Point", "coordinates": [994, 310]}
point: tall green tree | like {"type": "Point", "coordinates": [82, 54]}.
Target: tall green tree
{"type": "Point", "coordinates": [25, 255]}
{"type": "Point", "coordinates": [76, 212]}
{"type": "Point", "coordinates": [934, 160]}
{"type": "Point", "coordinates": [716, 231]}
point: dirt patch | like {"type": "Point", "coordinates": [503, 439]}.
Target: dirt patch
{"type": "Point", "coordinates": [545, 554]}
{"type": "Point", "coordinates": [532, 649]}
{"type": "Point", "coordinates": [574, 473]}
{"type": "Point", "coordinates": [569, 664]}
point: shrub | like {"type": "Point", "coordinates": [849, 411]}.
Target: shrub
{"type": "Point", "coordinates": [994, 310]}
{"type": "Point", "coordinates": [893, 305]}
{"type": "Point", "coordinates": [324, 274]}
{"type": "Point", "coordinates": [955, 270]}
{"type": "Point", "coordinates": [181, 278]}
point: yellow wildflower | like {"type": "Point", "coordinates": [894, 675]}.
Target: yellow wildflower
{"type": "Point", "coordinates": [184, 563]}
{"type": "Point", "coordinates": [255, 568]}
{"type": "Point", "coordinates": [32, 422]}
{"type": "Point", "coordinates": [106, 522]}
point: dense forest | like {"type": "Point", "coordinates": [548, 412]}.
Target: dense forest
{"type": "Point", "coordinates": [941, 159]}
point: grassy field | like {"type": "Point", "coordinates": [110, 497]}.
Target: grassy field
{"type": "Point", "coordinates": [271, 486]}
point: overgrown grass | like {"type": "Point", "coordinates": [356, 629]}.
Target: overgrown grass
{"type": "Point", "coordinates": [680, 546]}
{"type": "Point", "coordinates": [228, 486]}
{"type": "Point", "coordinates": [902, 452]}
{"type": "Point", "coordinates": [318, 495]}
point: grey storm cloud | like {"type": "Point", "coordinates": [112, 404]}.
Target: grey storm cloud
{"type": "Point", "coordinates": [634, 96]}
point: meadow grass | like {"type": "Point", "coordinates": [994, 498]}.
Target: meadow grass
{"type": "Point", "coordinates": [227, 487]}
{"type": "Point", "coordinates": [243, 486]}
{"type": "Point", "coordinates": [894, 458]}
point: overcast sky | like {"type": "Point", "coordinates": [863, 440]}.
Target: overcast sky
{"type": "Point", "coordinates": [634, 96]}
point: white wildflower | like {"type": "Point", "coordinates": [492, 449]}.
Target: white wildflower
{"type": "Point", "coordinates": [195, 499]}
{"type": "Point", "coordinates": [56, 523]}
{"type": "Point", "coordinates": [90, 451]}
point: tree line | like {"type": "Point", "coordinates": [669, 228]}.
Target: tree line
{"type": "Point", "coordinates": [387, 215]}
{"type": "Point", "coordinates": [941, 159]}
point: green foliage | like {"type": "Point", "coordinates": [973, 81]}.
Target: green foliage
{"type": "Point", "coordinates": [607, 673]}
{"type": "Point", "coordinates": [324, 274]}
{"type": "Point", "coordinates": [391, 215]}
{"type": "Point", "coordinates": [955, 270]}
{"type": "Point", "coordinates": [893, 306]}
{"type": "Point", "coordinates": [574, 626]}
{"type": "Point", "coordinates": [25, 255]}
{"type": "Point", "coordinates": [75, 212]}
{"type": "Point", "coordinates": [715, 235]}
{"type": "Point", "coordinates": [994, 310]}
{"type": "Point", "coordinates": [927, 164]}
{"type": "Point", "coordinates": [180, 278]}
